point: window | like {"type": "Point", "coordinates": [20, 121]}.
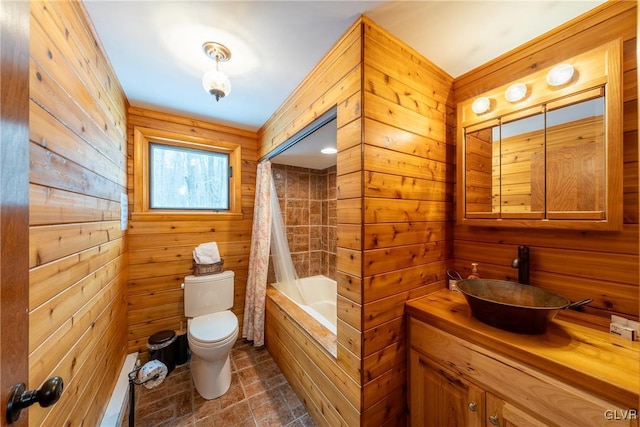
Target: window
{"type": "Point", "coordinates": [187, 178]}
{"type": "Point", "coordinates": [183, 175]}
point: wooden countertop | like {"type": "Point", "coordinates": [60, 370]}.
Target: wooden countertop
{"type": "Point", "coordinates": [598, 362]}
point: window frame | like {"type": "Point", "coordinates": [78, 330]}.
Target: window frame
{"type": "Point", "coordinates": [145, 136]}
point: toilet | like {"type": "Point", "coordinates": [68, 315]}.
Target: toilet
{"type": "Point", "coordinates": [212, 331]}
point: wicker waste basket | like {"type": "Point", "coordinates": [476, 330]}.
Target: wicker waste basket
{"type": "Point", "coordinates": [204, 269]}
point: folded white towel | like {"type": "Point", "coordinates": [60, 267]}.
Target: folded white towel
{"type": "Point", "coordinates": [206, 253]}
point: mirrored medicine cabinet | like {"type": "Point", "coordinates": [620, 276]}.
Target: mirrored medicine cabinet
{"type": "Point", "coordinates": [552, 157]}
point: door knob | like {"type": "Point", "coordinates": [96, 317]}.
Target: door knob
{"type": "Point", "coordinates": [22, 398]}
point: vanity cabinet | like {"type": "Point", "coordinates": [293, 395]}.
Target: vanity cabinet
{"type": "Point", "coordinates": [439, 397]}
{"type": "Point", "coordinates": [454, 382]}
{"type": "Point", "coordinates": [550, 157]}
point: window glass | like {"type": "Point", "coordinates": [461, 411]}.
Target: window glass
{"type": "Point", "coordinates": [187, 178]}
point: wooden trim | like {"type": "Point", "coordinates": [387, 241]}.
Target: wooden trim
{"type": "Point", "coordinates": [578, 97]}
{"type": "Point", "coordinates": [144, 136]}
{"type": "Point", "coordinates": [577, 215]}
{"type": "Point", "coordinates": [522, 215]}
{"type": "Point", "coordinates": [483, 215]}
{"type": "Point", "coordinates": [161, 215]}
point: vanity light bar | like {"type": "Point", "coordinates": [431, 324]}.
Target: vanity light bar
{"type": "Point", "coordinates": [559, 75]}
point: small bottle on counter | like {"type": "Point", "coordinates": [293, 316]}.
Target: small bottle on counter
{"type": "Point", "coordinates": [474, 271]}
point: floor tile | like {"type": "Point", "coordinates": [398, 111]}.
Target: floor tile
{"type": "Point", "coordinates": [259, 396]}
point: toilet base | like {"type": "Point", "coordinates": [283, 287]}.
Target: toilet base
{"type": "Point", "coordinates": [211, 379]}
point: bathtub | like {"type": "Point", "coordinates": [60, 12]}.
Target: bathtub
{"type": "Point", "coordinates": [316, 295]}
{"type": "Point", "coordinates": [302, 339]}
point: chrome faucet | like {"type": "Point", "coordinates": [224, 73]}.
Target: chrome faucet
{"type": "Point", "coordinates": [522, 264]}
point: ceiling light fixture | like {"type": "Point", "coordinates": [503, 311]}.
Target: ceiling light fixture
{"type": "Point", "coordinates": [329, 150]}
{"type": "Point", "coordinates": [216, 82]}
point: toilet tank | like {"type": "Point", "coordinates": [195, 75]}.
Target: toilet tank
{"type": "Point", "coordinates": [208, 294]}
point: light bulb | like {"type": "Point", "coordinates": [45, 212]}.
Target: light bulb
{"type": "Point", "coordinates": [516, 92]}
{"type": "Point", "coordinates": [560, 75]}
{"type": "Point", "coordinates": [481, 105]}
{"type": "Point", "coordinates": [216, 83]}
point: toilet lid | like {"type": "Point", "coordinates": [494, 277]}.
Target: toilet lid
{"type": "Point", "coordinates": [213, 327]}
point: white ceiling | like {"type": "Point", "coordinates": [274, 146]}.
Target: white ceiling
{"type": "Point", "coordinates": [155, 46]}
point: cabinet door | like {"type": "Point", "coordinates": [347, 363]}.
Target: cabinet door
{"type": "Point", "coordinates": [438, 398]}
{"type": "Point", "coordinates": [503, 414]}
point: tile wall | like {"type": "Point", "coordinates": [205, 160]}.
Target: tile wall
{"type": "Point", "coordinates": [308, 203]}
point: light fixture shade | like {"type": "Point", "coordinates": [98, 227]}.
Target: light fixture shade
{"type": "Point", "coordinates": [516, 92]}
{"type": "Point", "coordinates": [560, 75]}
{"type": "Point", "coordinates": [216, 83]}
{"type": "Point", "coordinates": [481, 105]}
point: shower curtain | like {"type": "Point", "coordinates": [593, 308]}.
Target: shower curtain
{"type": "Point", "coordinates": [254, 305]}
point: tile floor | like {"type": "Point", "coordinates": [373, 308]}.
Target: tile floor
{"type": "Point", "coordinates": [259, 396]}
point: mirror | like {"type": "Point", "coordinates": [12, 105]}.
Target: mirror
{"type": "Point", "coordinates": [575, 161]}
{"type": "Point", "coordinates": [522, 141]}
{"type": "Point", "coordinates": [551, 158]}
{"type": "Point", "coordinates": [538, 165]}
{"type": "Point", "coordinates": [482, 169]}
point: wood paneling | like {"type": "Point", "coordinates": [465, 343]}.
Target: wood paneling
{"type": "Point", "coordinates": [394, 188]}
{"type": "Point", "coordinates": [578, 264]}
{"type": "Point", "coordinates": [335, 81]}
{"type": "Point", "coordinates": [407, 204]}
{"type": "Point", "coordinates": [77, 251]}
{"type": "Point", "coordinates": [317, 354]}
{"type": "Point", "coordinates": [160, 251]}
{"type": "Point", "coordinates": [396, 198]}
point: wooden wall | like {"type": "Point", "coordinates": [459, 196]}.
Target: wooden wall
{"type": "Point", "coordinates": [160, 249]}
{"type": "Point", "coordinates": [577, 264]}
{"type": "Point", "coordinates": [394, 212]}
{"type": "Point", "coordinates": [407, 193]}
{"type": "Point", "coordinates": [336, 80]}
{"type": "Point", "coordinates": [77, 252]}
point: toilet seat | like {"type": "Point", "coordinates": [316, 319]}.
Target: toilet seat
{"type": "Point", "coordinates": [213, 328]}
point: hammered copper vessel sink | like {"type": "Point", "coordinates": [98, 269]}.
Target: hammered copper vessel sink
{"type": "Point", "coordinates": [513, 306]}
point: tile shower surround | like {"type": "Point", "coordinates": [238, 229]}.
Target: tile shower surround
{"type": "Point", "coordinates": [308, 202]}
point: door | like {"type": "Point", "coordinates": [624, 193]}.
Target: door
{"type": "Point", "coordinates": [14, 199]}
{"type": "Point", "coordinates": [503, 414]}
{"type": "Point", "coordinates": [439, 398]}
